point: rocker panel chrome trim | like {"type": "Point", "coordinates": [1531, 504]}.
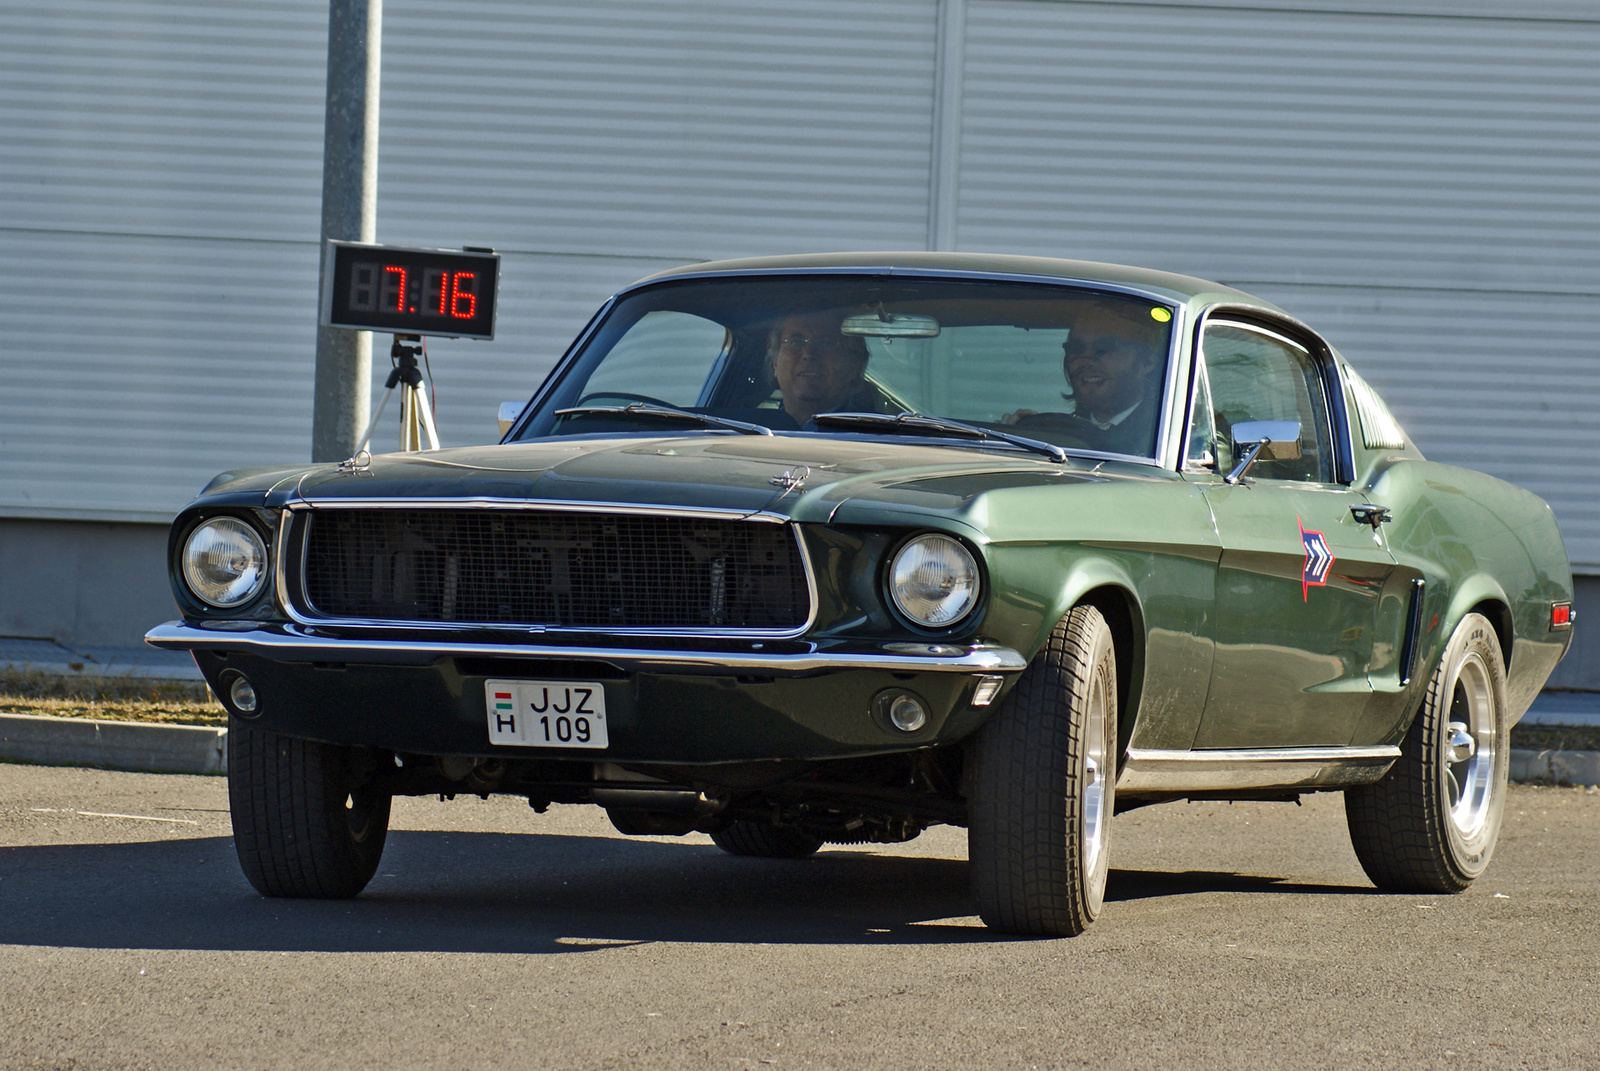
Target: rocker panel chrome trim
{"type": "Point", "coordinates": [1310, 768]}
{"type": "Point", "coordinates": [293, 643]}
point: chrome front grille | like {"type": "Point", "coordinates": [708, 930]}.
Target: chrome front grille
{"type": "Point", "coordinates": [557, 569]}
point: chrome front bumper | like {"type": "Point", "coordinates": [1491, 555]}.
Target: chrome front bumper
{"type": "Point", "coordinates": [290, 642]}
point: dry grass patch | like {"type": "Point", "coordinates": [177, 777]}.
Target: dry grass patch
{"type": "Point", "coordinates": [109, 698]}
{"type": "Point", "coordinates": [1556, 737]}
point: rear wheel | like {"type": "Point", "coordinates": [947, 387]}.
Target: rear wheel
{"type": "Point", "coordinates": [305, 820]}
{"type": "Point", "coordinates": [766, 840]}
{"type": "Point", "coordinates": [1044, 780]}
{"type": "Point", "coordinates": [1431, 824]}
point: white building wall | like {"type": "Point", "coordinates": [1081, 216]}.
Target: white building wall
{"type": "Point", "coordinates": [1420, 179]}
{"type": "Point", "coordinates": [594, 143]}
{"type": "Point", "coordinates": [160, 187]}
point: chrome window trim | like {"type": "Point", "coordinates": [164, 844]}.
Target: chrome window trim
{"type": "Point", "coordinates": [281, 640]}
{"type": "Point", "coordinates": [1153, 771]}
{"type": "Point", "coordinates": [1245, 325]}
{"type": "Point", "coordinates": [1322, 355]}
{"type": "Point", "coordinates": [1197, 371]}
{"type": "Point", "coordinates": [292, 602]}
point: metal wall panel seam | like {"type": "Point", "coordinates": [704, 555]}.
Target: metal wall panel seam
{"type": "Point", "coordinates": [945, 174]}
{"type": "Point", "coordinates": [1576, 11]}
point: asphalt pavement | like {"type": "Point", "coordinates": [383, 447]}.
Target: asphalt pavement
{"type": "Point", "coordinates": [1235, 936]}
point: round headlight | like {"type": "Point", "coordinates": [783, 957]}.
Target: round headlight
{"type": "Point", "coordinates": [934, 581]}
{"type": "Point", "coordinates": [224, 562]}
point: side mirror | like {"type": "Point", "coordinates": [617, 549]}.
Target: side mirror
{"type": "Point", "coordinates": [509, 411]}
{"type": "Point", "coordinates": [1274, 440]}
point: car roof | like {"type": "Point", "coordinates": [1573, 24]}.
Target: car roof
{"type": "Point", "coordinates": [1181, 288]}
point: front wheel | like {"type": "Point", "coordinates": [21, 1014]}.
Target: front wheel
{"type": "Point", "coordinates": [1431, 824]}
{"type": "Point", "coordinates": [306, 821]}
{"type": "Point", "coordinates": [1043, 784]}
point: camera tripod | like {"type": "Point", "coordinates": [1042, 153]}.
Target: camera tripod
{"type": "Point", "coordinates": [416, 416]}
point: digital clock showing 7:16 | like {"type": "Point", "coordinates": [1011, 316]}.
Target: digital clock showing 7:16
{"type": "Point", "coordinates": [410, 291]}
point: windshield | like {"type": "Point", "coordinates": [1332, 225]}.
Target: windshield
{"type": "Point", "coordinates": [1069, 366]}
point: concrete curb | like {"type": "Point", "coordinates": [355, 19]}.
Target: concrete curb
{"type": "Point", "coordinates": [113, 745]}
{"type": "Point", "coordinates": [1562, 767]}
{"type": "Point", "coordinates": [142, 748]}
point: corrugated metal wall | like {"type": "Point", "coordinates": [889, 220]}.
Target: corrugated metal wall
{"type": "Point", "coordinates": [598, 142]}
{"type": "Point", "coordinates": [1419, 178]}
{"type": "Point", "coordinates": [160, 186]}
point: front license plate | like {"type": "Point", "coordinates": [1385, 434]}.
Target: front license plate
{"type": "Point", "coordinates": [547, 713]}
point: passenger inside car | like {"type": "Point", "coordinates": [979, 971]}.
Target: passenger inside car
{"type": "Point", "coordinates": [1111, 359]}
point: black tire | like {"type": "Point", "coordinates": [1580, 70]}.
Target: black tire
{"type": "Point", "coordinates": [1430, 825]}
{"type": "Point", "coordinates": [1043, 787]}
{"type": "Point", "coordinates": [765, 840]}
{"type": "Point", "coordinates": [303, 823]}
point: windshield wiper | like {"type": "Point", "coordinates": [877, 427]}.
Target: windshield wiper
{"type": "Point", "coordinates": [665, 412]}
{"type": "Point", "coordinates": [925, 422]}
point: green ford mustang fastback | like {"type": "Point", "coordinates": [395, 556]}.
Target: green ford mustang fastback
{"type": "Point", "coordinates": [830, 549]}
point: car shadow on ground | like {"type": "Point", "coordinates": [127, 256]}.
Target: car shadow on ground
{"type": "Point", "coordinates": [516, 893]}
{"type": "Point", "coordinates": [1150, 884]}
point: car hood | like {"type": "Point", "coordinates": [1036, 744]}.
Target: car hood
{"type": "Point", "coordinates": [807, 478]}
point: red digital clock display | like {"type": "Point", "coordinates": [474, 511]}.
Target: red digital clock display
{"type": "Point", "coordinates": [410, 291]}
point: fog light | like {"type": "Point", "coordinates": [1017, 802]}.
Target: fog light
{"type": "Point", "coordinates": [242, 694]}
{"type": "Point", "coordinates": [907, 713]}
{"type": "Point", "coordinates": [987, 689]}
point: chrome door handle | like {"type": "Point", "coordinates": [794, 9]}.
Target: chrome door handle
{"type": "Point", "coordinates": [1369, 514]}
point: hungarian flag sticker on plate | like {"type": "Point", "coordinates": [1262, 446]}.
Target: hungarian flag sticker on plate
{"type": "Point", "coordinates": [547, 713]}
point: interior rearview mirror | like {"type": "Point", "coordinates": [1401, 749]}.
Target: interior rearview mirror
{"type": "Point", "coordinates": [890, 325]}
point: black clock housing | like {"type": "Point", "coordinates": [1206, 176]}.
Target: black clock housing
{"type": "Point", "coordinates": [409, 291]}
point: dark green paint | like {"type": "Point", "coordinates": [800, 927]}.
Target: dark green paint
{"type": "Point", "coordinates": [1228, 650]}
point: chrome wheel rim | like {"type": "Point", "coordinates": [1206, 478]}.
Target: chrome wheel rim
{"type": "Point", "coordinates": [1096, 782]}
{"type": "Point", "coordinates": [1469, 779]}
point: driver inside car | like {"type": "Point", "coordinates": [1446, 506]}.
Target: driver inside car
{"type": "Point", "coordinates": [1111, 360]}
{"type": "Point", "coordinates": [817, 368]}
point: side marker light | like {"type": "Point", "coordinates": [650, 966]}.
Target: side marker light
{"type": "Point", "coordinates": [987, 689]}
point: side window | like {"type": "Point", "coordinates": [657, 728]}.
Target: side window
{"type": "Point", "coordinates": [666, 355]}
{"type": "Point", "coordinates": [1256, 375]}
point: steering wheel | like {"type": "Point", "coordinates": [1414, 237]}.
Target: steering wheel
{"type": "Point", "coordinates": [624, 396]}
{"type": "Point", "coordinates": [1085, 431]}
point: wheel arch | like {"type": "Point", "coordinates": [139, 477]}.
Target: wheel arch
{"type": "Point", "coordinates": [1480, 594]}
{"type": "Point", "coordinates": [1499, 615]}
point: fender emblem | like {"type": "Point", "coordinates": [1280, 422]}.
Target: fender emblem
{"type": "Point", "coordinates": [1319, 559]}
